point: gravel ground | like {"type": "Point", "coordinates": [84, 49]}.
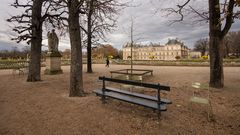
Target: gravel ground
{"type": "Point", "coordinates": [44, 108]}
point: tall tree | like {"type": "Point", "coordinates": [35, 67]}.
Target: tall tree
{"type": "Point", "coordinates": [100, 18]}
{"type": "Point", "coordinates": [216, 36]}
{"type": "Point", "coordinates": [220, 17]}
{"type": "Point", "coordinates": [202, 45]}
{"type": "Point", "coordinates": [36, 42]}
{"type": "Point", "coordinates": [76, 76]}
{"type": "Point", "coordinates": [69, 11]}
{"type": "Point", "coordinates": [90, 11]}
{"type": "Point", "coordinates": [30, 28]}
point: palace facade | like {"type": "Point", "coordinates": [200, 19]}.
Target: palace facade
{"type": "Point", "coordinates": [172, 50]}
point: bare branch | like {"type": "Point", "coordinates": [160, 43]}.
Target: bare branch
{"type": "Point", "coordinates": [229, 18]}
{"type": "Point", "coordinates": [17, 5]}
{"type": "Point", "coordinates": [203, 15]}
{"type": "Point", "coordinates": [178, 11]}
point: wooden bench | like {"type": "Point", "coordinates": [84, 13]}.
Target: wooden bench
{"type": "Point", "coordinates": [153, 102]}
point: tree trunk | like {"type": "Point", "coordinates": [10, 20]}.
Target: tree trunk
{"type": "Point", "coordinates": [36, 43]}
{"type": "Point", "coordinates": [89, 38]}
{"type": "Point", "coordinates": [216, 59]}
{"type": "Point", "coordinates": [76, 79]}
{"type": "Point", "coordinates": [89, 48]}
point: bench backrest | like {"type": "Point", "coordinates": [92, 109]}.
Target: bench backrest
{"type": "Point", "coordinates": [135, 83]}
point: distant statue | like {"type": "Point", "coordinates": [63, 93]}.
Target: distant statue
{"type": "Point", "coordinates": [52, 41]}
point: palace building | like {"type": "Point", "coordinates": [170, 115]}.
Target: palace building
{"type": "Point", "coordinates": [172, 50]}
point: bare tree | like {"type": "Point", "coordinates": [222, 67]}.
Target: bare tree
{"type": "Point", "coordinates": [202, 45]}
{"type": "Point", "coordinates": [134, 37]}
{"type": "Point", "coordinates": [226, 44]}
{"type": "Point", "coordinates": [55, 14]}
{"type": "Point", "coordinates": [236, 44]}
{"type": "Point", "coordinates": [231, 44]}
{"type": "Point", "coordinates": [220, 17]}
{"type": "Point", "coordinates": [76, 77]}
{"type": "Point", "coordinates": [217, 34]}
{"type": "Point", "coordinates": [29, 28]}
{"type": "Point", "coordinates": [69, 11]}
{"type": "Point", "coordinates": [100, 18]}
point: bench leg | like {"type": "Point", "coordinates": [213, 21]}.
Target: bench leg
{"type": "Point", "coordinates": [159, 114]}
{"type": "Point", "coordinates": [103, 99]}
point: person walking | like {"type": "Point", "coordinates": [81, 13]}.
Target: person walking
{"type": "Point", "coordinates": [107, 62]}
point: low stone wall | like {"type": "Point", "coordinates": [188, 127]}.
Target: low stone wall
{"type": "Point", "coordinates": [12, 64]}
{"type": "Point", "coordinates": [176, 63]}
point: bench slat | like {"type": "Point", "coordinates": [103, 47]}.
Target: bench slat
{"type": "Point", "coordinates": [165, 101]}
{"type": "Point", "coordinates": [132, 99]}
{"type": "Point", "coordinates": [148, 85]}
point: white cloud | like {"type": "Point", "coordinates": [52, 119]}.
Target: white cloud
{"type": "Point", "coordinates": [148, 27]}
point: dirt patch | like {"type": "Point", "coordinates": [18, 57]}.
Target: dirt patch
{"type": "Point", "coordinates": [44, 108]}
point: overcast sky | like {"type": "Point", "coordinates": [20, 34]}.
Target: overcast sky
{"type": "Point", "coordinates": [149, 25]}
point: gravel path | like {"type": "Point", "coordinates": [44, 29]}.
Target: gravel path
{"type": "Point", "coordinates": [44, 108]}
